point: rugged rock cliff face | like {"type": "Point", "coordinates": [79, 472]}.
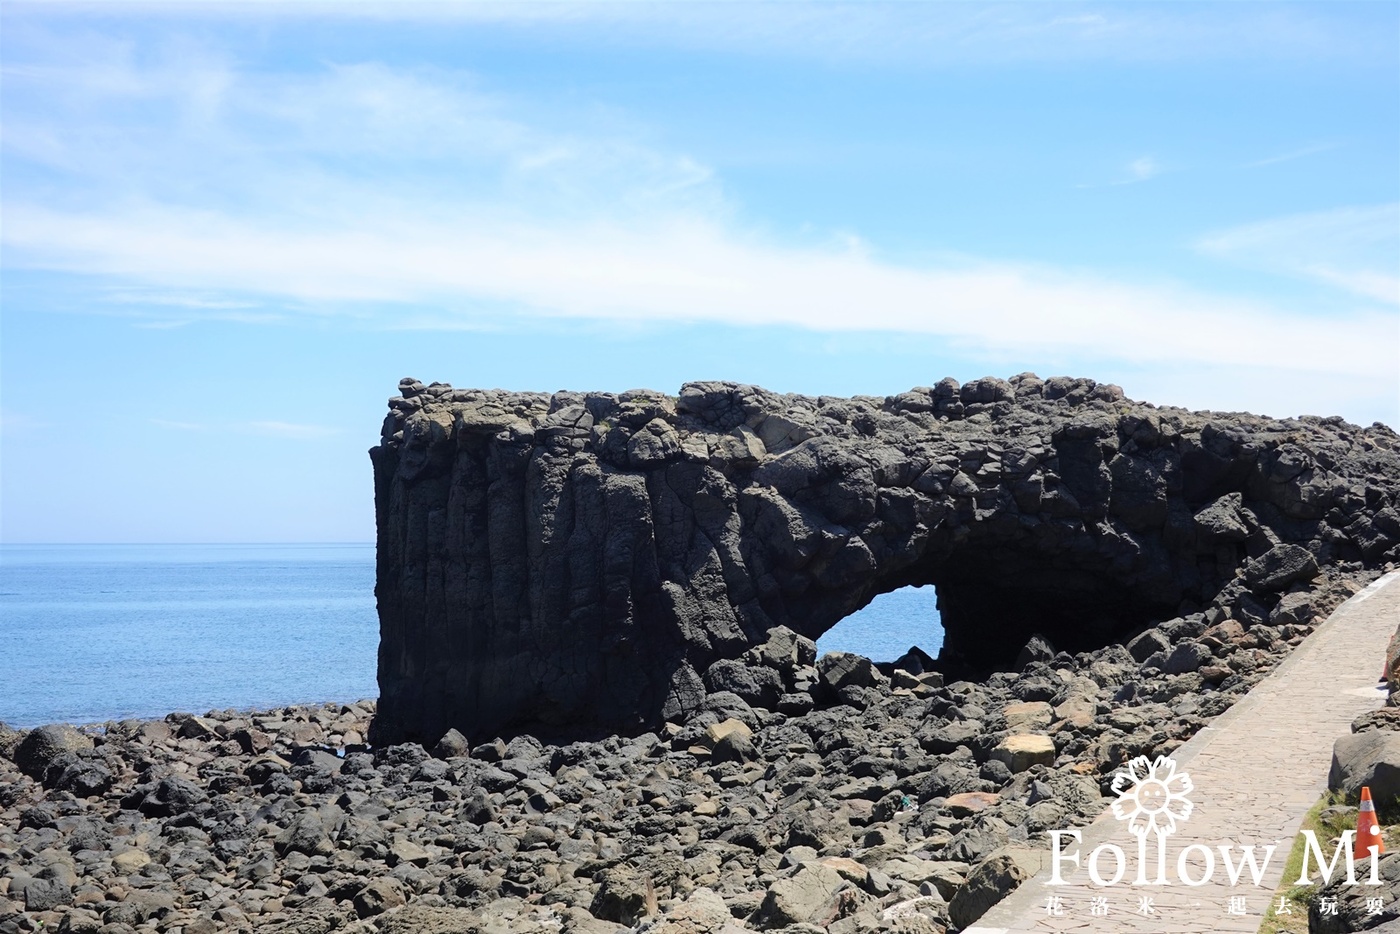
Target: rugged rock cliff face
{"type": "Point", "coordinates": [574, 564]}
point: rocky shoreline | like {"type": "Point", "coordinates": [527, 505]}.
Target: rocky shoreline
{"type": "Point", "coordinates": [801, 795]}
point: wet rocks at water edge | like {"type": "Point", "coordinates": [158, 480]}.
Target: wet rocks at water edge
{"type": "Point", "coordinates": [863, 798]}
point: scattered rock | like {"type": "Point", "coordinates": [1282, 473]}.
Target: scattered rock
{"type": "Point", "coordinates": [839, 670]}
{"type": "Point", "coordinates": [1028, 716]}
{"type": "Point", "coordinates": [379, 896]}
{"type": "Point", "coordinates": [1371, 758]}
{"type": "Point", "coordinates": [991, 881]}
{"type": "Point", "coordinates": [130, 861]}
{"type": "Point", "coordinates": [452, 745]}
{"type": "Point", "coordinates": [806, 896]}
{"type": "Point", "coordinates": [1354, 905]}
{"type": "Point", "coordinates": [42, 745]}
{"type": "Point", "coordinates": [624, 895]}
{"type": "Point", "coordinates": [867, 809]}
{"type": "Point", "coordinates": [1023, 750]}
{"type": "Point", "coordinates": [970, 802]}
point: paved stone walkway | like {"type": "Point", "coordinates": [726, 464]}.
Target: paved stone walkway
{"type": "Point", "coordinates": [1257, 769]}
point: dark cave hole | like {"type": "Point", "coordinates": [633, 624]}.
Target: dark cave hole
{"type": "Point", "coordinates": [991, 608]}
{"type": "Point", "coordinates": [990, 601]}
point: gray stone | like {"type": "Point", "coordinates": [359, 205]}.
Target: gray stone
{"type": "Point", "coordinates": [702, 912]}
{"type": "Point", "coordinates": [991, 881]}
{"type": "Point", "coordinates": [42, 745]}
{"type": "Point", "coordinates": [83, 778]}
{"type": "Point", "coordinates": [1036, 649]}
{"type": "Point", "coordinates": [379, 896]}
{"type": "Point", "coordinates": [45, 894]}
{"type": "Point", "coordinates": [172, 795]}
{"type": "Point", "coordinates": [1146, 644]}
{"type": "Point", "coordinates": [452, 745]}
{"type": "Point", "coordinates": [624, 895]}
{"type": "Point", "coordinates": [1186, 657]}
{"type": "Point", "coordinates": [1353, 911]}
{"type": "Point", "coordinates": [1220, 521]}
{"type": "Point", "coordinates": [1371, 758]}
{"type": "Point", "coordinates": [946, 738]}
{"type": "Point", "coordinates": [915, 661]}
{"type": "Point", "coordinates": [140, 906]}
{"type": "Point", "coordinates": [803, 897]}
{"type": "Point", "coordinates": [1280, 566]}
{"type": "Point", "coordinates": [758, 686]}
{"type": "Point", "coordinates": [1383, 718]}
{"type": "Point", "coordinates": [976, 842]}
{"type": "Point", "coordinates": [408, 852]}
{"type": "Point", "coordinates": [1020, 751]}
{"type": "Point", "coordinates": [198, 728]}
{"type": "Point", "coordinates": [786, 650]}
{"type": "Point", "coordinates": [307, 834]}
{"type": "Point", "coordinates": [320, 760]}
{"type": "Point", "coordinates": [734, 747]}
{"type": "Point", "coordinates": [838, 670]}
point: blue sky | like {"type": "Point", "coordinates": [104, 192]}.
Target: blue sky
{"type": "Point", "coordinates": [226, 231]}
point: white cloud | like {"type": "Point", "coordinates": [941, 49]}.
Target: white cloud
{"type": "Point", "coordinates": [128, 296]}
{"type": "Point", "coordinates": [1292, 154]}
{"type": "Point", "coordinates": [690, 270]}
{"type": "Point", "coordinates": [290, 431]}
{"type": "Point", "coordinates": [1141, 169]}
{"type": "Point", "coordinates": [361, 184]}
{"type": "Point", "coordinates": [1356, 249]}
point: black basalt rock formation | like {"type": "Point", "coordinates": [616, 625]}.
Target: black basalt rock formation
{"type": "Point", "coordinates": [571, 564]}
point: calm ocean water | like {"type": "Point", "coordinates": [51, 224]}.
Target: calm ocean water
{"type": "Point", "coordinates": [99, 632]}
{"type": "Point", "coordinates": [888, 626]}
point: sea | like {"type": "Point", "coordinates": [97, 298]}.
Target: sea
{"type": "Point", "coordinates": [90, 633]}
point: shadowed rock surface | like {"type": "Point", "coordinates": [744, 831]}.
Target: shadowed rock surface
{"type": "Point", "coordinates": [575, 564]}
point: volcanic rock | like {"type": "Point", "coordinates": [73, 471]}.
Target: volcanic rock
{"type": "Point", "coordinates": [572, 563]}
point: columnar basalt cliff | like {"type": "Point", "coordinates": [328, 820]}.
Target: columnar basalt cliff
{"type": "Point", "coordinates": [575, 563]}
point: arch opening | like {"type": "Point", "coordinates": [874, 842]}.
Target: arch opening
{"type": "Point", "coordinates": [986, 598]}
{"type": "Point", "coordinates": [889, 625]}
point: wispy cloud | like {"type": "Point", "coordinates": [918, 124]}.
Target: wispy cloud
{"type": "Point", "coordinates": [689, 270]}
{"type": "Point", "coordinates": [1292, 154]}
{"type": "Point", "coordinates": [177, 426]}
{"type": "Point", "coordinates": [164, 316]}
{"type": "Point", "coordinates": [1356, 249]}
{"type": "Point", "coordinates": [12, 422]}
{"type": "Point", "coordinates": [932, 35]}
{"type": "Point", "coordinates": [293, 431]}
{"type": "Point", "coordinates": [332, 191]}
{"type": "Point", "coordinates": [290, 431]}
{"type": "Point", "coordinates": [1138, 170]}
{"type": "Point", "coordinates": [129, 296]}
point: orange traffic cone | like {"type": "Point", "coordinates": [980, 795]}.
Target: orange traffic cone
{"type": "Point", "coordinates": [1368, 830]}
